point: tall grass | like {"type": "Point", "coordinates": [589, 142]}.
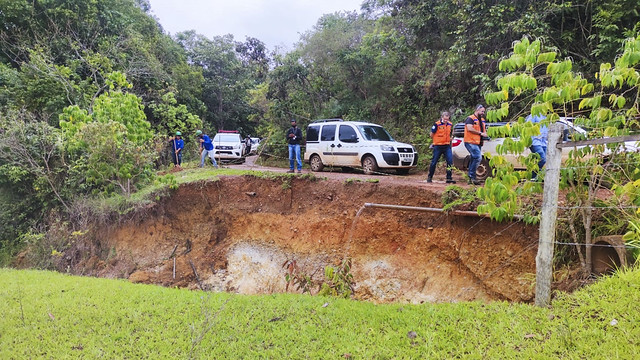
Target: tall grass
{"type": "Point", "coordinates": [51, 315]}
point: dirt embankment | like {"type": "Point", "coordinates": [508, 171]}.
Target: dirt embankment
{"type": "Point", "coordinates": [237, 232]}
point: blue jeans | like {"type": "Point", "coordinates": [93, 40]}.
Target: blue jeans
{"type": "Point", "coordinates": [439, 150]}
{"type": "Point", "coordinates": [177, 158]}
{"type": "Point", "coordinates": [294, 150]}
{"type": "Point", "coordinates": [542, 151]}
{"type": "Point", "coordinates": [476, 157]}
{"type": "Point", "coordinates": [204, 156]}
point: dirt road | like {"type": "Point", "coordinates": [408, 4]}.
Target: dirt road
{"type": "Point", "coordinates": [415, 178]}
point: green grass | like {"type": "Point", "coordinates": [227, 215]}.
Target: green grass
{"type": "Point", "coordinates": [51, 315]}
{"type": "Point", "coordinates": [191, 173]}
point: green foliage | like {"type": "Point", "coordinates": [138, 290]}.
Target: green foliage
{"type": "Point", "coordinates": [173, 117]}
{"type": "Point", "coordinates": [604, 110]}
{"type": "Point", "coordinates": [455, 196]}
{"type": "Point", "coordinates": [112, 162]}
{"type": "Point", "coordinates": [111, 145]}
{"type": "Point", "coordinates": [632, 237]}
{"type": "Point", "coordinates": [338, 281]}
{"type": "Point", "coordinates": [296, 277]}
{"type": "Point", "coordinates": [61, 316]}
{"type": "Point", "coordinates": [230, 70]}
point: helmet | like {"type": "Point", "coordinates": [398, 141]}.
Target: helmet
{"type": "Point", "coordinates": [178, 133]}
{"type": "Point", "coordinates": [198, 132]}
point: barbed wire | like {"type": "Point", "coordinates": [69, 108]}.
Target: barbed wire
{"type": "Point", "coordinates": [625, 246]}
{"type": "Point", "coordinates": [597, 207]}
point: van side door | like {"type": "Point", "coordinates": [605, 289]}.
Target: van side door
{"type": "Point", "coordinates": [346, 152]}
{"type": "Point", "coordinates": [327, 144]}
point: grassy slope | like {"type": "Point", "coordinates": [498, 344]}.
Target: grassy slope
{"type": "Point", "coordinates": [51, 315]}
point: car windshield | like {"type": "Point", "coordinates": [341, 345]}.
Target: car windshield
{"type": "Point", "coordinates": [374, 133]}
{"type": "Point", "coordinates": [226, 138]}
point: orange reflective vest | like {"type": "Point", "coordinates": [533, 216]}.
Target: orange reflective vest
{"type": "Point", "coordinates": [478, 126]}
{"type": "Point", "coordinates": [442, 133]}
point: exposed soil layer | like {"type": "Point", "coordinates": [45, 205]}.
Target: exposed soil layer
{"type": "Point", "coordinates": [237, 232]}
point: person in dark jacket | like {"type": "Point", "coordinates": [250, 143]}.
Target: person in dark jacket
{"type": "Point", "coordinates": [294, 138]}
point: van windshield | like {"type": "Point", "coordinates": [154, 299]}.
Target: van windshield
{"type": "Point", "coordinates": [374, 133]}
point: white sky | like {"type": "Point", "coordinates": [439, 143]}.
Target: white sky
{"type": "Point", "coordinates": [274, 22]}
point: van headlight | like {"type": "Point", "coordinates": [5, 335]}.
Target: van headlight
{"type": "Point", "coordinates": [386, 147]}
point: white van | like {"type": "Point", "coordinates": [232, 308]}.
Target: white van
{"type": "Point", "coordinates": [349, 144]}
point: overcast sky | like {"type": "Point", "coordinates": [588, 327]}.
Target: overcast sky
{"type": "Point", "coordinates": [274, 22]}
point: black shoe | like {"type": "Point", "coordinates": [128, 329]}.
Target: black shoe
{"type": "Point", "coordinates": [450, 181]}
{"type": "Point", "coordinates": [474, 182]}
{"type": "Point", "coordinates": [429, 180]}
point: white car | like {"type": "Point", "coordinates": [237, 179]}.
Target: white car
{"type": "Point", "coordinates": [229, 145]}
{"type": "Point", "coordinates": [461, 157]}
{"type": "Point", "coordinates": [350, 144]}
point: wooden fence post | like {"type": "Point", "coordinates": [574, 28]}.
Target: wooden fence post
{"type": "Point", "coordinates": [544, 259]}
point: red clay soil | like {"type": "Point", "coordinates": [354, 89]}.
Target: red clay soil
{"type": "Point", "coordinates": [237, 232]}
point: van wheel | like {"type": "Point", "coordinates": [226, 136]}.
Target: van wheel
{"type": "Point", "coordinates": [316, 163]}
{"type": "Point", "coordinates": [369, 165]}
{"type": "Point", "coordinates": [484, 170]}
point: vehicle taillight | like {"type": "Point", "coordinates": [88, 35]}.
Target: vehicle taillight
{"type": "Point", "coordinates": [456, 142]}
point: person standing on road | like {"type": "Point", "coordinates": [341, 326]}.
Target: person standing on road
{"type": "Point", "coordinates": [539, 143]}
{"type": "Point", "coordinates": [206, 148]}
{"type": "Point", "coordinates": [177, 144]}
{"type": "Point", "coordinates": [441, 135]}
{"type": "Point", "coordinates": [247, 143]}
{"type": "Point", "coordinates": [474, 130]}
{"type": "Point", "coordinates": [294, 138]}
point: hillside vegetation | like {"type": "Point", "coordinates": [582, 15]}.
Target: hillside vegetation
{"type": "Point", "coordinates": [51, 315]}
{"type": "Point", "coordinates": [90, 92]}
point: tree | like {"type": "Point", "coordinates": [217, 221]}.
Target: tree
{"type": "Point", "coordinates": [551, 88]}
{"type": "Point", "coordinates": [110, 144]}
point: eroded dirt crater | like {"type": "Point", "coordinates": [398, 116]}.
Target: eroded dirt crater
{"type": "Point", "coordinates": [238, 231]}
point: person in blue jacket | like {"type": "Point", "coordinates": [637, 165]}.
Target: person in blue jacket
{"type": "Point", "coordinates": [539, 143]}
{"type": "Point", "coordinates": [206, 148]}
{"type": "Point", "coordinates": [177, 145]}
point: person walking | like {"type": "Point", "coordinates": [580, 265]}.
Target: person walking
{"type": "Point", "coordinates": [294, 138]}
{"type": "Point", "coordinates": [177, 144]}
{"type": "Point", "coordinates": [441, 135]}
{"type": "Point", "coordinates": [474, 130]}
{"type": "Point", "coordinates": [539, 143]}
{"type": "Point", "coordinates": [206, 148]}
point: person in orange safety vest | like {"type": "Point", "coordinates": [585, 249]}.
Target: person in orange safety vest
{"type": "Point", "coordinates": [474, 131]}
{"type": "Point", "coordinates": [441, 135]}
